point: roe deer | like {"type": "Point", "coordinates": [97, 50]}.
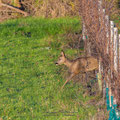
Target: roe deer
{"type": "Point", "coordinates": [79, 65]}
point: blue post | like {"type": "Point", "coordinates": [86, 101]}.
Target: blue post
{"type": "Point", "coordinates": [113, 114]}
{"type": "Point", "coordinates": [107, 99]}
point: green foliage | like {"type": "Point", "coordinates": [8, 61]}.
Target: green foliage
{"type": "Point", "coordinates": [29, 80]}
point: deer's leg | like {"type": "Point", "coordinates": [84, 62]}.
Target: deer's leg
{"type": "Point", "coordinates": [71, 76]}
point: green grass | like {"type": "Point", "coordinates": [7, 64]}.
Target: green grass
{"type": "Point", "coordinates": [29, 80]}
{"type": "Point", "coordinates": [117, 23]}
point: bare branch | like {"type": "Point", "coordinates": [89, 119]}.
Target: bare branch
{"type": "Point", "coordinates": [16, 9]}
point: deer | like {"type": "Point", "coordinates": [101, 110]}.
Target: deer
{"type": "Point", "coordinates": [78, 65]}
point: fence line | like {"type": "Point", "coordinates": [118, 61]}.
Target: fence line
{"type": "Point", "coordinates": [104, 41]}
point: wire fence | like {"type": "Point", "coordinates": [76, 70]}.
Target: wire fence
{"type": "Point", "coordinates": [103, 41]}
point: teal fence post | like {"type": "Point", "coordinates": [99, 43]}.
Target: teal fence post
{"type": "Point", "coordinates": [107, 99]}
{"type": "Point", "coordinates": [114, 114]}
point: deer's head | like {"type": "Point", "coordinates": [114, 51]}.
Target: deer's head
{"type": "Point", "coordinates": [61, 59]}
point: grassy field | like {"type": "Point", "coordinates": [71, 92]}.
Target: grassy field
{"type": "Point", "coordinates": [30, 82]}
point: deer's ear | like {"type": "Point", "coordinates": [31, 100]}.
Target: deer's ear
{"type": "Point", "coordinates": [62, 53]}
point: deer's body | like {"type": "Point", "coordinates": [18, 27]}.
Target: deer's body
{"type": "Point", "coordinates": [79, 65]}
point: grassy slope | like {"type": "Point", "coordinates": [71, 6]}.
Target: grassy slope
{"type": "Point", "coordinates": [29, 80]}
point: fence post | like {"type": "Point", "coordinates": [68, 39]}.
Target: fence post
{"type": "Point", "coordinates": [86, 41]}
{"type": "Point", "coordinates": [101, 89]}
{"type": "Point", "coordinates": [119, 54]}
{"type": "Point", "coordinates": [107, 25]}
{"type": "Point", "coordinates": [99, 75]}
{"type": "Point", "coordinates": [84, 37]}
{"type": "Point", "coordinates": [115, 49]}
{"type": "Point", "coordinates": [111, 54]}
{"type": "Point", "coordinates": [83, 32]}
{"type": "Point", "coordinates": [99, 5]}
{"type": "Point", "coordinates": [111, 45]}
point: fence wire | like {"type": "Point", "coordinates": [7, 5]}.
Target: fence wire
{"type": "Point", "coordinates": [102, 41]}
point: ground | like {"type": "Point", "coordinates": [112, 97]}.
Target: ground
{"type": "Point", "coordinates": [30, 82]}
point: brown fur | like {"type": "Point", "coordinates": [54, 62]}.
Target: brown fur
{"type": "Point", "coordinates": [79, 65]}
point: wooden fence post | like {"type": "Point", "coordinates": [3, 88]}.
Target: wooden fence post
{"type": "Point", "coordinates": [111, 45]}
{"type": "Point", "coordinates": [86, 46]}
{"type": "Point", "coordinates": [119, 54]}
{"type": "Point", "coordinates": [107, 25]}
{"type": "Point", "coordinates": [100, 77]}
{"type": "Point", "coordinates": [115, 49]}
{"type": "Point", "coordinates": [111, 54]}
{"type": "Point", "coordinates": [83, 32]}
{"type": "Point", "coordinates": [84, 37]}
{"type": "Point", "coordinates": [100, 10]}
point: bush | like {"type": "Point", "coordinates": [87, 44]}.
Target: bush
{"type": "Point", "coordinates": [50, 8]}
